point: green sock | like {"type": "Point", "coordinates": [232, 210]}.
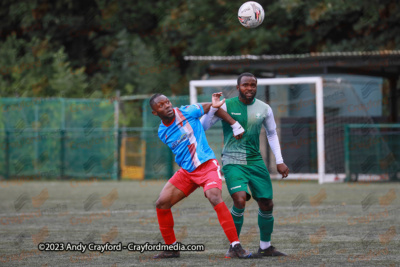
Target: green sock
{"type": "Point", "coordinates": [266, 224]}
{"type": "Point", "coordinates": [237, 215]}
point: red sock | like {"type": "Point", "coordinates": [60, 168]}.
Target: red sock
{"type": "Point", "coordinates": [166, 222]}
{"type": "Point", "coordinates": [226, 221]}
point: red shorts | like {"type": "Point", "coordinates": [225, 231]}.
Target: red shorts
{"type": "Point", "coordinates": [207, 175]}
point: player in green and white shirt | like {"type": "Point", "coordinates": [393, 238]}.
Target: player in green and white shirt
{"type": "Point", "coordinates": [243, 165]}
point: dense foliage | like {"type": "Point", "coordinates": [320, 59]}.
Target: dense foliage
{"type": "Point", "coordinates": [93, 48]}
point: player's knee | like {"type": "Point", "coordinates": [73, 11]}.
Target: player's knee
{"type": "Point", "coordinates": [162, 204]}
{"type": "Point", "coordinates": [266, 204]}
{"type": "Point", "coordinates": [239, 200]}
{"type": "Point", "coordinates": [214, 199]}
{"type": "Point", "coordinates": [240, 203]}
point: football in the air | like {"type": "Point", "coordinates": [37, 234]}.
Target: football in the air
{"type": "Point", "coordinates": [251, 14]}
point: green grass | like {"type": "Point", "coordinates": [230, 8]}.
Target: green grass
{"type": "Point", "coordinates": [317, 225]}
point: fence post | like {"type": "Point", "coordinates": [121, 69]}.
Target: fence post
{"type": "Point", "coordinates": [62, 139]}
{"type": "Point", "coordinates": [62, 152]}
{"type": "Point", "coordinates": [347, 152]}
{"type": "Point", "coordinates": [7, 154]}
{"type": "Point", "coordinates": [115, 175]}
{"type": "Point", "coordinates": [119, 155]}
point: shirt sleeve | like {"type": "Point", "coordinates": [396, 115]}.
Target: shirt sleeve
{"type": "Point", "coordinates": [194, 111]}
{"type": "Point", "coordinates": [210, 119]}
{"type": "Point", "coordinates": [270, 127]}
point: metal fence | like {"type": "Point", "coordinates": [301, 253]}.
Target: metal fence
{"type": "Point", "coordinates": [75, 138]}
{"type": "Point", "coordinates": [57, 137]}
{"type": "Point", "coordinates": [372, 151]}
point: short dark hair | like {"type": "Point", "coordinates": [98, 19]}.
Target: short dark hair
{"type": "Point", "coordinates": [248, 74]}
{"type": "Point", "coordinates": [153, 99]}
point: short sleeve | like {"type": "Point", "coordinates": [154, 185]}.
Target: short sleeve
{"type": "Point", "coordinates": [194, 111]}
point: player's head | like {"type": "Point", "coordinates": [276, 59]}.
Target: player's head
{"type": "Point", "coordinates": [247, 86]}
{"type": "Point", "coordinates": [161, 106]}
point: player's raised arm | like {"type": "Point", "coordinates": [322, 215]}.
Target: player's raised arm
{"type": "Point", "coordinates": [209, 110]}
{"type": "Point", "coordinates": [214, 105]}
{"type": "Point", "coordinates": [209, 119]}
{"type": "Point", "coordinates": [237, 129]}
{"type": "Point", "coordinates": [218, 108]}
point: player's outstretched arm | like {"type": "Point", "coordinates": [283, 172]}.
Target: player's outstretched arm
{"type": "Point", "coordinates": [237, 129]}
{"type": "Point", "coordinates": [214, 105]}
{"type": "Point", "coordinates": [218, 108]}
{"type": "Point", "coordinates": [209, 119]}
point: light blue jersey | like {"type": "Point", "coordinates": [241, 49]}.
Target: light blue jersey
{"type": "Point", "coordinates": [186, 138]}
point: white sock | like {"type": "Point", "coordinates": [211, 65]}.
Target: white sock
{"type": "Point", "coordinates": [265, 245]}
{"type": "Point", "coordinates": [174, 243]}
{"type": "Point", "coordinates": [234, 243]}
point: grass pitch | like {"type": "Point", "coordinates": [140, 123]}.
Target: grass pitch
{"type": "Point", "coordinates": [317, 225]}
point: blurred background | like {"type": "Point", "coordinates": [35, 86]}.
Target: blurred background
{"type": "Point", "coordinates": [76, 77]}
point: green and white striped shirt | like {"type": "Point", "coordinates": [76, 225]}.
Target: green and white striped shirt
{"type": "Point", "coordinates": [246, 150]}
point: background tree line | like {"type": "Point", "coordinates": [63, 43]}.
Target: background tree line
{"type": "Point", "coordinates": [92, 48]}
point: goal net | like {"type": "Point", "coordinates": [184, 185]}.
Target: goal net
{"type": "Point", "coordinates": [311, 114]}
{"type": "Point", "coordinates": [302, 133]}
{"type": "Point", "coordinates": [372, 152]}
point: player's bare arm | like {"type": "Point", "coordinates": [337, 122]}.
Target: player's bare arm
{"type": "Point", "coordinates": [226, 117]}
{"type": "Point", "coordinates": [216, 104]}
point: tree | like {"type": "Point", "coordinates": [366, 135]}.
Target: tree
{"type": "Point", "coordinates": [139, 47]}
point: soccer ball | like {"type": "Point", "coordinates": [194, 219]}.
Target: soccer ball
{"type": "Point", "coordinates": [251, 14]}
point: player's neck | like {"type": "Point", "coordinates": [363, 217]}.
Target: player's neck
{"type": "Point", "coordinates": [167, 121]}
{"type": "Point", "coordinates": [245, 101]}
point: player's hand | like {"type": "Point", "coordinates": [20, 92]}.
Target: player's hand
{"type": "Point", "coordinates": [283, 169]}
{"type": "Point", "coordinates": [216, 103]}
{"type": "Point", "coordinates": [238, 130]}
{"type": "Point", "coordinates": [237, 137]}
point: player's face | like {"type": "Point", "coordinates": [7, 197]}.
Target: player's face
{"type": "Point", "coordinates": [247, 88]}
{"type": "Point", "coordinates": [163, 108]}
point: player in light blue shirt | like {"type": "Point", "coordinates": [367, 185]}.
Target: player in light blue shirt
{"type": "Point", "coordinates": [186, 138]}
{"type": "Point", "coordinates": [182, 131]}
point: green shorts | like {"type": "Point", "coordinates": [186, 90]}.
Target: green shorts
{"type": "Point", "coordinates": [256, 176]}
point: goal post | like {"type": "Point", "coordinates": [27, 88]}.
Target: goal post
{"type": "Point", "coordinates": [319, 113]}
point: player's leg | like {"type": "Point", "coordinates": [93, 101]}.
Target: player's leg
{"type": "Point", "coordinates": [261, 189]}
{"type": "Point", "coordinates": [238, 208]}
{"type": "Point", "coordinates": [237, 177]}
{"type": "Point", "coordinates": [226, 221]}
{"type": "Point", "coordinates": [224, 217]}
{"type": "Point", "coordinates": [214, 195]}
{"type": "Point", "coordinates": [177, 188]}
{"type": "Point", "coordinates": [169, 196]}
{"type": "Point", "coordinates": [209, 178]}
{"type": "Point", "coordinates": [265, 221]}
